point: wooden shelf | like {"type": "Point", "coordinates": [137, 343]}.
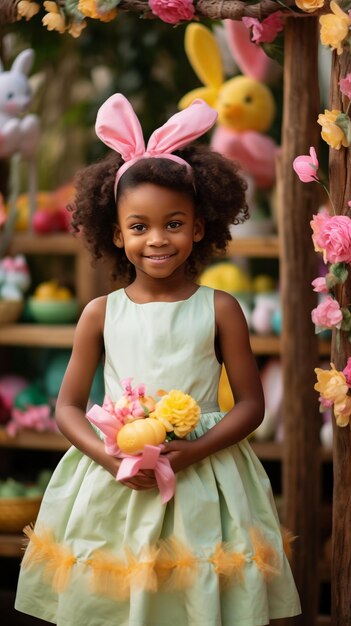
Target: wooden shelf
{"type": "Point", "coordinates": [260, 247]}
{"type": "Point", "coordinates": [41, 335]}
{"type": "Point", "coordinates": [270, 344]}
{"type": "Point", "coordinates": [11, 545]}
{"type": "Point", "coordinates": [34, 440]}
{"type": "Point", "coordinates": [56, 243]}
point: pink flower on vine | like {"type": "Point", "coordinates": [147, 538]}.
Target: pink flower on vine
{"type": "Point", "coordinates": [267, 30]}
{"type": "Point", "coordinates": [347, 371]}
{"type": "Point", "coordinates": [327, 314]}
{"type": "Point", "coordinates": [319, 285]}
{"type": "Point", "coordinates": [173, 11]}
{"type": "Point", "coordinates": [334, 238]}
{"type": "Point", "coordinates": [345, 86]}
{"type": "Point", "coordinates": [317, 225]}
{"type": "Point", "coordinates": [306, 167]}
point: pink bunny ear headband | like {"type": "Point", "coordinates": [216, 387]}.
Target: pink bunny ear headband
{"type": "Point", "coordinates": [119, 128]}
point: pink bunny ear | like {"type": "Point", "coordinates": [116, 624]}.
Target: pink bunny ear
{"type": "Point", "coordinates": [251, 59]}
{"type": "Point", "coordinates": [182, 128]}
{"type": "Point", "coordinates": [118, 127]}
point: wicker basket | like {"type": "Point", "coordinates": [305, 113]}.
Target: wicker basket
{"type": "Point", "coordinates": [15, 513]}
{"type": "Point", "coordinates": [10, 311]}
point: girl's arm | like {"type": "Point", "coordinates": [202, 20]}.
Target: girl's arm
{"type": "Point", "coordinates": [234, 344]}
{"type": "Point", "coordinates": [75, 389]}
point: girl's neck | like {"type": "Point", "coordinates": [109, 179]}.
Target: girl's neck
{"type": "Point", "coordinates": [145, 289]}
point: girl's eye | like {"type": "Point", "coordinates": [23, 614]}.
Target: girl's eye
{"type": "Point", "coordinates": [139, 228]}
{"type": "Point", "coordinates": [173, 225]}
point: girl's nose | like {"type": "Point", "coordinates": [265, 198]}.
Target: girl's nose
{"type": "Point", "coordinates": [157, 238]}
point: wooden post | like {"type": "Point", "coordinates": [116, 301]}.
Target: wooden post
{"type": "Point", "coordinates": [297, 202]}
{"type": "Point", "coordinates": [340, 190]}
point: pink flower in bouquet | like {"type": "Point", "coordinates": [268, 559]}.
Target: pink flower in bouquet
{"type": "Point", "coordinates": [334, 238]}
{"type": "Point", "coordinates": [306, 167]}
{"type": "Point", "coordinates": [133, 404]}
{"type": "Point", "coordinates": [265, 31]}
{"type": "Point", "coordinates": [345, 86]}
{"type": "Point", "coordinates": [327, 314]}
{"type": "Point", "coordinates": [172, 11]}
{"type": "Point", "coordinates": [317, 225]}
{"type": "Point", "coordinates": [319, 285]}
{"type": "Point", "coordinates": [347, 371]}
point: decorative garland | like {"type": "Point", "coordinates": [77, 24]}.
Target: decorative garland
{"type": "Point", "coordinates": [70, 15]}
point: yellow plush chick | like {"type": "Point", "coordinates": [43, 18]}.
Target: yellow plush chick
{"type": "Point", "coordinates": [227, 277]}
{"type": "Point", "coordinates": [243, 103]}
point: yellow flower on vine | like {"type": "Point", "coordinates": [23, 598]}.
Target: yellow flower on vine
{"type": "Point", "coordinates": [334, 28]}
{"type": "Point", "coordinates": [331, 384]}
{"type": "Point", "coordinates": [27, 8]}
{"type": "Point", "coordinates": [54, 19]}
{"type": "Point", "coordinates": [89, 9]}
{"type": "Point", "coordinates": [331, 132]}
{"type": "Point", "coordinates": [342, 411]}
{"type": "Point", "coordinates": [309, 6]}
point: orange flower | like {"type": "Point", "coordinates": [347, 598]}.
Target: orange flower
{"type": "Point", "coordinates": [76, 28]}
{"type": "Point", "coordinates": [334, 28]}
{"type": "Point", "coordinates": [309, 6]}
{"type": "Point", "coordinates": [90, 9]}
{"type": "Point", "coordinates": [54, 19]}
{"type": "Point", "coordinates": [27, 8]}
{"type": "Point", "coordinates": [331, 133]}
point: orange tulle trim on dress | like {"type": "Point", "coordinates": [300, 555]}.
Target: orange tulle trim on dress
{"type": "Point", "coordinates": [170, 565]}
{"type": "Point", "coordinates": [57, 559]}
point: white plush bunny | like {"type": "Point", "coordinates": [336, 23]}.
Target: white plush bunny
{"type": "Point", "coordinates": [19, 133]}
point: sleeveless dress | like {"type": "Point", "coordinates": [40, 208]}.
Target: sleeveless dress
{"type": "Point", "coordinates": [102, 554]}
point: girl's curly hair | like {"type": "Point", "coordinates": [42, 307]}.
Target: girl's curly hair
{"type": "Point", "coordinates": [214, 185]}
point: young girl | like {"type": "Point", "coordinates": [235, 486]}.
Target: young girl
{"type": "Point", "coordinates": [107, 553]}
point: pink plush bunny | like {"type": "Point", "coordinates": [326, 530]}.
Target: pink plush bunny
{"type": "Point", "coordinates": [254, 150]}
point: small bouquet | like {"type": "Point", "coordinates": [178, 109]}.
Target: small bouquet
{"type": "Point", "coordinates": [136, 427]}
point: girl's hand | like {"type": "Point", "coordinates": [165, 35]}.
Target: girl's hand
{"type": "Point", "coordinates": [181, 453]}
{"type": "Point", "coordinates": [145, 479]}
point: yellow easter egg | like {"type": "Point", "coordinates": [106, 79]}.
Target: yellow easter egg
{"type": "Point", "coordinates": [46, 291]}
{"type": "Point", "coordinates": [227, 277]}
{"type": "Point", "coordinates": [62, 293]}
{"type": "Point", "coordinates": [263, 283]}
{"type": "Point", "coordinates": [225, 395]}
{"type": "Point", "coordinates": [133, 436]}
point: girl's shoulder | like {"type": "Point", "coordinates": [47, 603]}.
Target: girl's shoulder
{"type": "Point", "coordinates": [94, 312]}
{"type": "Point", "coordinates": [227, 306]}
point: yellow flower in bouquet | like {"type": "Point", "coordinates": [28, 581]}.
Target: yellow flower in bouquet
{"type": "Point", "coordinates": [178, 412]}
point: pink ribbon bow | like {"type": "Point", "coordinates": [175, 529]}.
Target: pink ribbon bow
{"type": "Point", "coordinates": [150, 459]}
{"type": "Point", "coordinates": [107, 421]}
{"type": "Point", "coordinates": [119, 128]}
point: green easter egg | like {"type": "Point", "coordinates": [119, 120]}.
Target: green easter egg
{"type": "Point", "coordinates": [30, 396]}
{"type": "Point", "coordinates": [12, 489]}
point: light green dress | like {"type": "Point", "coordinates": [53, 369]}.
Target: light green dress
{"type": "Point", "coordinates": [102, 554]}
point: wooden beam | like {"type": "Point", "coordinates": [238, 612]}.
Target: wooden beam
{"type": "Point", "coordinates": [340, 190]}
{"type": "Point", "coordinates": [299, 347]}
